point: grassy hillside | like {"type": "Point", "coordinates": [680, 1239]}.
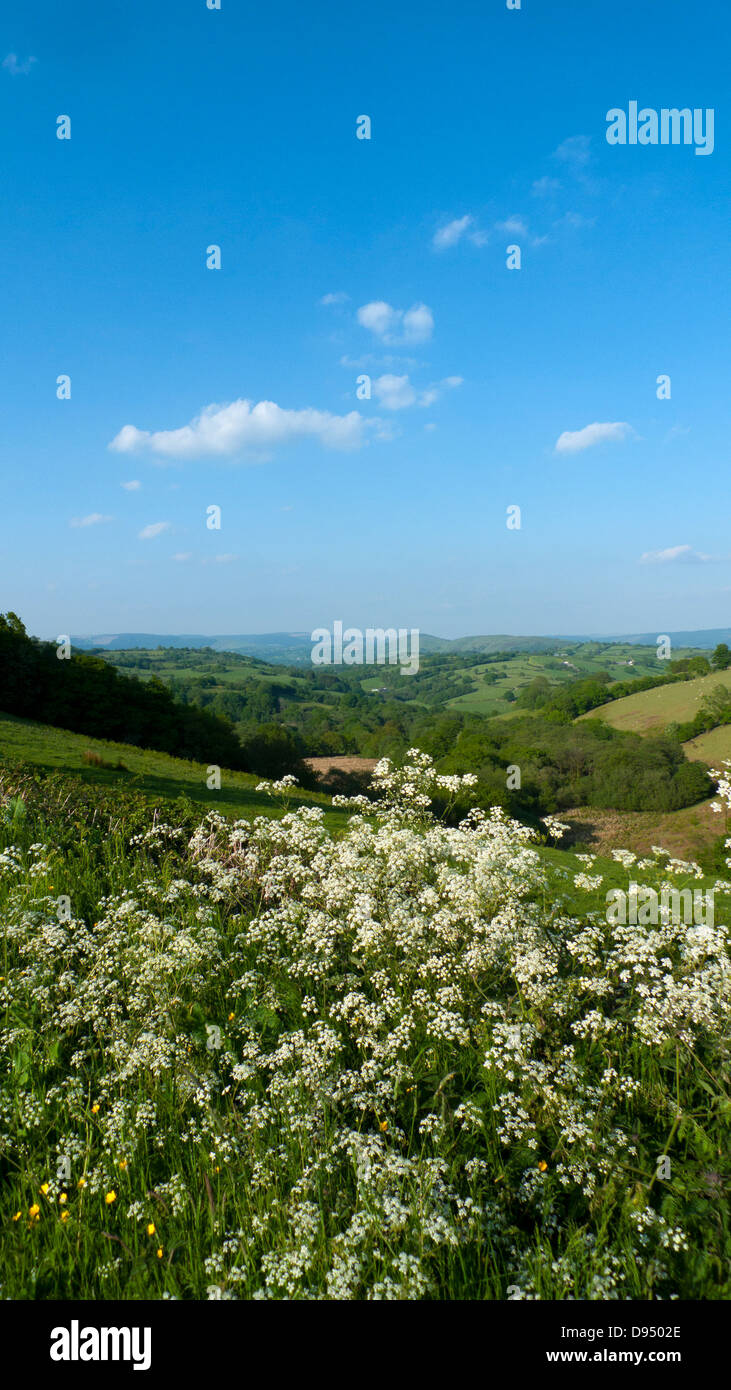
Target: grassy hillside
{"type": "Point", "coordinates": [653, 710]}
{"type": "Point", "coordinates": [691, 832]}
{"type": "Point", "coordinates": [156, 775]}
{"type": "Point", "coordinates": [711, 747]}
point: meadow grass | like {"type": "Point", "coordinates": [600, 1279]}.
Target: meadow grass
{"type": "Point", "coordinates": [651, 710]}
{"type": "Point", "coordinates": [712, 747]}
{"type": "Point", "coordinates": [158, 776]}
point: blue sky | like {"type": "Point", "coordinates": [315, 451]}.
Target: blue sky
{"type": "Point", "coordinates": [237, 128]}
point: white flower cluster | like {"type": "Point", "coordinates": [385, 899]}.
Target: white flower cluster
{"type": "Point", "coordinates": [408, 1052]}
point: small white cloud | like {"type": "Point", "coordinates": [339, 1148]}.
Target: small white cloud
{"type": "Point", "coordinates": [394, 392]}
{"type": "Point", "coordinates": [340, 297]}
{"type": "Point", "coordinates": [676, 554]}
{"type": "Point", "coordinates": [675, 432]}
{"type": "Point", "coordinates": [451, 233]}
{"type": "Point", "coordinates": [414, 325]}
{"type": "Point", "coordinates": [93, 519]}
{"type": "Point", "coordinates": [241, 426]}
{"type": "Point", "coordinates": [15, 67]}
{"type": "Point", "coordinates": [545, 187]}
{"type": "Point", "coordinates": [575, 151]}
{"type": "Point", "coordinates": [225, 559]}
{"type": "Point", "coordinates": [378, 316]}
{"type": "Point", "coordinates": [397, 392]}
{"type": "Point", "coordinates": [514, 226]}
{"type": "Point", "coordinates": [156, 528]}
{"type": "Point", "coordinates": [575, 219]}
{"type": "Point", "coordinates": [132, 486]}
{"type": "Point", "coordinates": [182, 556]}
{"type": "Point", "coordinates": [573, 441]}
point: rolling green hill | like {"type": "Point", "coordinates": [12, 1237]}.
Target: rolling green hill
{"type": "Point", "coordinates": [459, 680]}
{"type": "Point", "coordinates": [157, 775]}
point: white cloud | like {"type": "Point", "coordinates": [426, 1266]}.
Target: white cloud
{"type": "Point", "coordinates": [545, 187]}
{"type": "Point", "coordinates": [340, 297]}
{"type": "Point", "coordinates": [132, 486]}
{"type": "Point", "coordinates": [378, 316]}
{"type": "Point", "coordinates": [675, 432]}
{"type": "Point", "coordinates": [93, 519]}
{"type": "Point", "coordinates": [156, 528]}
{"type": "Point", "coordinates": [16, 68]}
{"type": "Point", "coordinates": [451, 233]}
{"type": "Point", "coordinates": [415, 325]}
{"type": "Point", "coordinates": [394, 392]}
{"type": "Point", "coordinates": [575, 219]}
{"type": "Point", "coordinates": [574, 151]}
{"type": "Point", "coordinates": [397, 392]}
{"type": "Point", "coordinates": [182, 556]}
{"type": "Point", "coordinates": [573, 441]}
{"type": "Point", "coordinates": [241, 426]}
{"type": "Point", "coordinates": [682, 554]}
{"type": "Point", "coordinates": [515, 226]}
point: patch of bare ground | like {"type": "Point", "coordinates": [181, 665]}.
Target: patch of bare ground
{"type": "Point", "coordinates": [347, 776]}
{"type": "Point", "coordinates": [341, 764]}
{"type": "Point", "coordinates": [683, 833]}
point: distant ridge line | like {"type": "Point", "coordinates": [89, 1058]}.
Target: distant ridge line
{"type": "Point", "coordinates": [294, 647]}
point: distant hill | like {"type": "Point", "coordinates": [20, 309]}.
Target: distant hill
{"type": "Point", "coordinates": [705, 638]}
{"type": "Point", "coordinates": [287, 648]}
{"type": "Point", "coordinates": [295, 648]}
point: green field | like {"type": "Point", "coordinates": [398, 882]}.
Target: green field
{"type": "Point", "coordinates": [157, 775]}
{"type": "Point", "coordinates": [653, 710]}
{"type": "Point", "coordinates": [568, 664]}
{"type": "Point", "coordinates": [712, 747]}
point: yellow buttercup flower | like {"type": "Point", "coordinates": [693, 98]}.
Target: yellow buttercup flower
{"type": "Point", "coordinates": [81, 1182]}
{"type": "Point", "coordinates": [542, 1166]}
{"type": "Point", "coordinates": [64, 1216]}
{"type": "Point", "coordinates": [95, 1109]}
{"type": "Point", "coordinates": [151, 1228]}
{"type": "Point", "coordinates": [34, 1210]}
{"type": "Point", "coordinates": [159, 1252]}
{"type": "Point", "coordinates": [383, 1126]}
{"type": "Point", "coordinates": [17, 1216]}
{"type": "Point", "coordinates": [230, 1018]}
{"type": "Point", "coordinates": [110, 1197]}
{"type": "Point", "coordinates": [44, 1188]}
{"type": "Point", "coordinates": [123, 1163]}
{"type": "Point", "coordinates": [63, 1197]}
